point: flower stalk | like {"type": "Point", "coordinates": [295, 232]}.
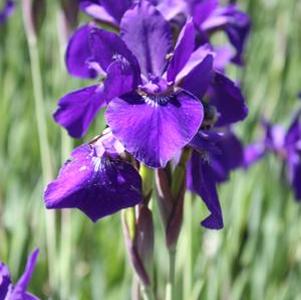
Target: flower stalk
{"type": "Point", "coordinates": [45, 153]}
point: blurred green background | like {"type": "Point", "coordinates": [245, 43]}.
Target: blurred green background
{"type": "Point", "coordinates": [258, 253]}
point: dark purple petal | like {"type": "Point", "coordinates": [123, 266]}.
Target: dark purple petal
{"type": "Point", "coordinates": [94, 9]}
{"type": "Point", "coordinates": [5, 280]}
{"type": "Point", "coordinates": [228, 100]}
{"type": "Point", "coordinates": [148, 36]}
{"type": "Point", "coordinates": [230, 156]}
{"type": "Point", "coordinates": [206, 140]}
{"type": "Point", "coordinates": [97, 185]}
{"type": "Point", "coordinates": [293, 134]}
{"type": "Point", "coordinates": [201, 180]}
{"type": "Point", "coordinates": [202, 11]}
{"type": "Point", "coordinates": [79, 56]}
{"type": "Point", "coordinates": [116, 8]}
{"type": "Point", "coordinates": [183, 50]}
{"type": "Point", "coordinates": [120, 80]}
{"type": "Point", "coordinates": [19, 290]}
{"type": "Point", "coordinates": [154, 128]}
{"type": "Point", "coordinates": [78, 109]}
{"type": "Point", "coordinates": [195, 59]}
{"type": "Point", "coordinates": [295, 175]}
{"type": "Point", "coordinates": [6, 11]}
{"type": "Point", "coordinates": [198, 79]}
{"type": "Point", "coordinates": [107, 48]}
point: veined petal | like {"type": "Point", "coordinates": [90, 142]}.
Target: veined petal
{"type": "Point", "coordinates": [198, 79]}
{"type": "Point", "coordinates": [5, 280]}
{"type": "Point", "coordinates": [108, 47]}
{"type": "Point", "coordinates": [201, 181]}
{"type": "Point", "coordinates": [78, 109]}
{"type": "Point", "coordinates": [79, 56]}
{"type": "Point", "coordinates": [97, 185]}
{"type": "Point", "coordinates": [148, 36]}
{"type": "Point", "coordinates": [228, 100]}
{"type": "Point", "coordinates": [183, 50]}
{"type": "Point", "coordinates": [94, 9]}
{"type": "Point", "coordinates": [154, 128]}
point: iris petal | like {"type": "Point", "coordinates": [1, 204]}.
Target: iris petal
{"type": "Point", "coordinates": [154, 129]}
{"type": "Point", "coordinates": [201, 180]}
{"type": "Point", "coordinates": [147, 34]}
{"type": "Point", "coordinates": [78, 109]}
{"type": "Point", "coordinates": [98, 186]}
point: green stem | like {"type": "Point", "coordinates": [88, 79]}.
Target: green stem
{"type": "Point", "coordinates": [170, 293]}
{"type": "Point", "coordinates": [147, 293]}
{"type": "Point", "coordinates": [187, 278]}
{"type": "Point", "coordinates": [45, 155]}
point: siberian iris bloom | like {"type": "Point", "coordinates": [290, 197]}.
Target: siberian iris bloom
{"type": "Point", "coordinates": [286, 144]}
{"type": "Point", "coordinates": [6, 11]}
{"type": "Point", "coordinates": [148, 110]}
{"type": "Point", "coordinates": [215, 154]}
{"type": "Point", "coordinates": [161, 97]}
{"type": "Point", "coordinates": [18, 291]}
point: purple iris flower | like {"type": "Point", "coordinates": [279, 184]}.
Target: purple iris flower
{"type": "Point", "coordinates": [96, 180]}
{"type": "Point", "coordinates": [214, 156]}
{"type": "Point", "coordinates": [286, 144]}
{"type": "Point", "coordinates": [6, 10]}
{"type": "Point", "coordinates": [18, 291]}
{"type": "Point", "coordinates": [152, 90]}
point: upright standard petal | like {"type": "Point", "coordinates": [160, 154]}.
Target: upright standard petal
{"type": "Point", "coordinates": [116, 8]}
{"type": "Point", "coordinates": [198, 79]}
{"type": "Point", "coordinates": [183, 50]}
{"type": "Point", "coordinates": [107, 48]}
{"type": "Point", "coordinates": [154, 128]}
{"type": "Point", "coordinates": [78, 109]}
{"type": "Point", "coordinates": [195, 59]}
{"type": "Point", "coordinates": [148, 36]}
{"type": "Point", "coordinates": [5, 280]}
{"type": "Point", "coordinates": [201, 181]}
{"type": "Point", "coordinates": [78, 55]}
{"type": "Point", "coordinates": [228, 100]}
{"type": "Point", "coordinates": [94, 182]}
